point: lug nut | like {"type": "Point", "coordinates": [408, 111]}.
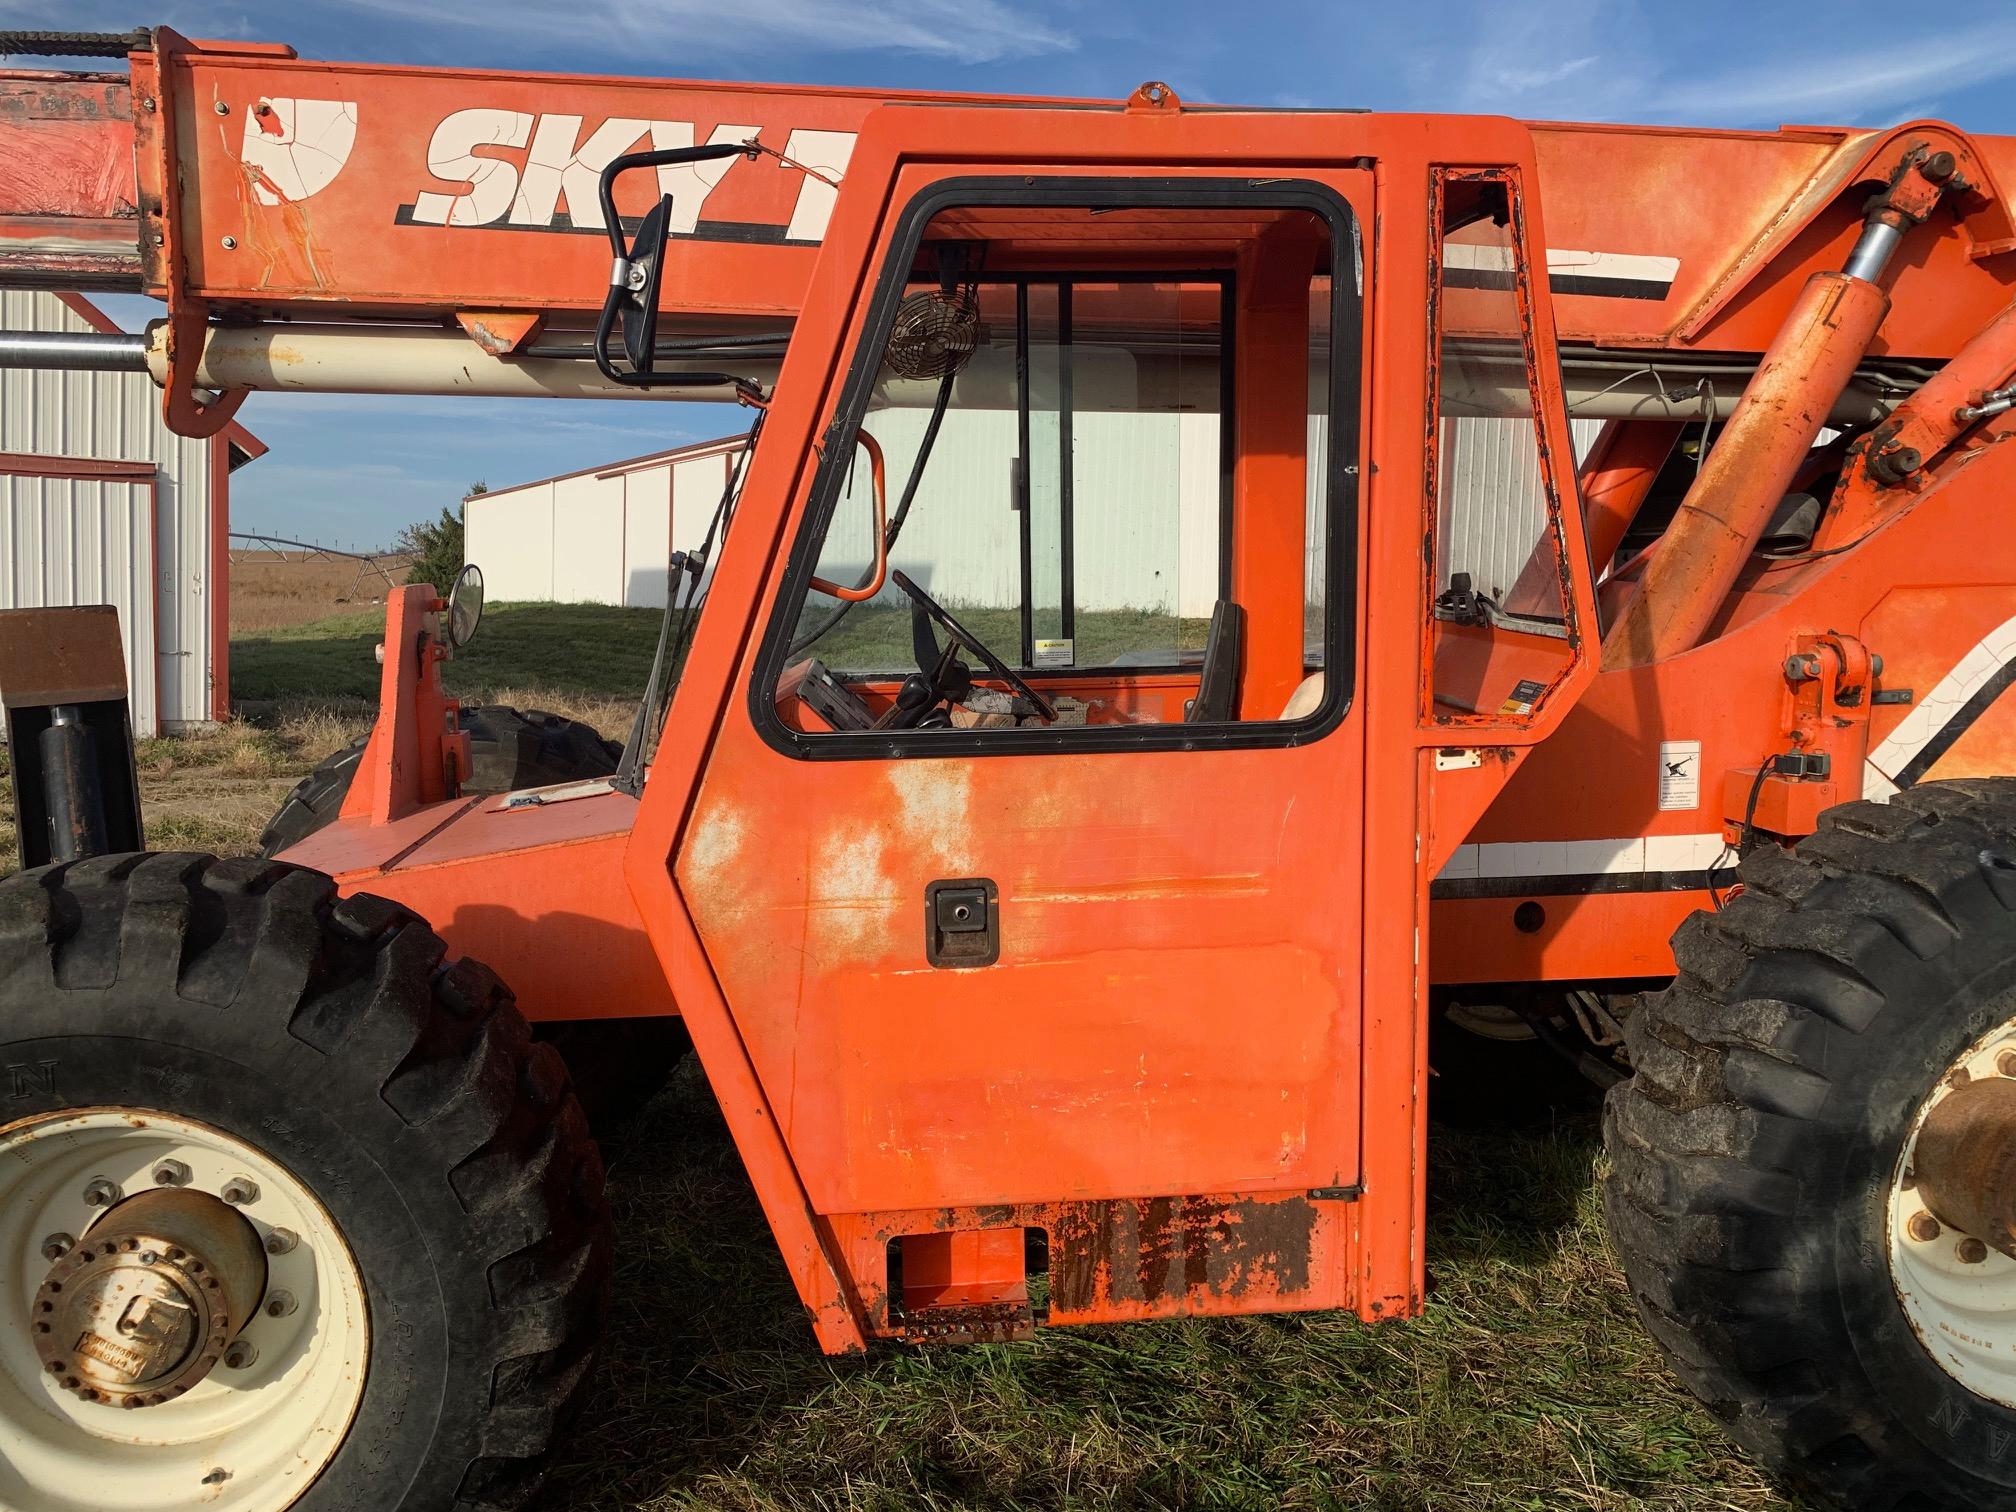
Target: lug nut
{"type": "Point", "coordinates": [170, 1173]}
{"type": "Point", "coordinates": [241, 1354]}
{"type": "Point", "coordinates": [102, 1193]}
{"type": "Point", "coordinates": [1923, 1227]}
{"type": "Point", "coordinates": [1970, 1251]}
{"type": "Point", "coordinates": [56, 1246]}
{"type": "Point", "coordinates": [282, 1241]}
{"type": "Point", "coordinates": [240, 1191]}
{"type": "Point", "coordinates": [280, 1304]}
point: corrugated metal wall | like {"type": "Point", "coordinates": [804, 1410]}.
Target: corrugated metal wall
{"type": "Point", "coordinates": [1145, 511]}
{"type": "Point", "coordinates": [70, 541]}
{"type": "Point", "coordinates": [1491, 469]}
{"type": "Point", "coordinates": [1146, 495]}
{"type": "Point", "coordinates": [596, 537]}
{"type": "Point", "coordinates": [112, 417]}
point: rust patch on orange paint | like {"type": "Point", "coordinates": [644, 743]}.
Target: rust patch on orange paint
{"type": "Point", "coordinates": [499, 332]}
{"type": "Point", "coordinates": [1143, 1251]}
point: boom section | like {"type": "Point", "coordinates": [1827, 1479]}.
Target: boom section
{"type": "Point", "coordinates": [247, 180]}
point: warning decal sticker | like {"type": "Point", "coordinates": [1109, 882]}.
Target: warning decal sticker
{"type": "Point", "coordinates": [1680, 774]}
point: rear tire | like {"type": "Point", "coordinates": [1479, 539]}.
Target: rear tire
{"type": "Point", "coordinates": [509, 749]}
{"type": "Point", "coordinates": [1759, 1150]}
{"type": "Point", "coordinates": [401, 1091]}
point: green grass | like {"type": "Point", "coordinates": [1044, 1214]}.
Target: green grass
{"type": "Point", "coordinates": [597, 651]}
{"type": "Point", "coordinates": [1527, 1385]}
{"type": "Point", "coordinates": [591, 650]}
{"type": "Point", "coordinates": [878, 636]}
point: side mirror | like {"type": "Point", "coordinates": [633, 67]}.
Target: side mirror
{"type": "Point", "coordinates": [465, 606]}
{"type": "Point", "coordinates": [638, 270]}
{"type": "Point", "coordinates": [639, 312]}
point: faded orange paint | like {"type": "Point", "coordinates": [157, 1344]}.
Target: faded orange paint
{"type": "Point", "coordinates": [1198, 1067]}
{"type": "Point", "coordinates": [1687, 581]}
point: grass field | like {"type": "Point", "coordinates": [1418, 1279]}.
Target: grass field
{"type": "Point", "coordinates": [1527, 1384]}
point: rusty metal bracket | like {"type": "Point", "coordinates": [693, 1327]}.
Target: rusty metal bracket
{"type": "Point", "coordinates": [1154, 98]}
{"type": "Point", "coordinates": [966, 1323]}
{"type": "Point", "coordinates": [163, 243]}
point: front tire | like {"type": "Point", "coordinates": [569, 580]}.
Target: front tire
{"type": "Point", "coordinates": [243, 1008]}
{"type": "Point", "coordinates": [1761, 1174]}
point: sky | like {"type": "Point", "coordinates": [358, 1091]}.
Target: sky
{"type": "Point", "coordinates": [349, 470]}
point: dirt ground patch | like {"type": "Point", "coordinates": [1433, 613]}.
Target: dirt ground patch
{"type": "Point", "coordinates": [270, 589]}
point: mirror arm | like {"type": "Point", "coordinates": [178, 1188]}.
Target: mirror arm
{"type": "Point", "coordinates": [624, 281]}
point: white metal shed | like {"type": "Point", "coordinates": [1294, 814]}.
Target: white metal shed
{"type": "Point", "coordinates": [105, 505]}
{"type": "Point", "coordinates": [599, 536]}
{"type": "Point", "coordinates": [602, 535]}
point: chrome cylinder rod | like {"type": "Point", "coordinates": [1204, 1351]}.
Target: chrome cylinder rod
{"type": "Point", "coordinates": [74, 351]}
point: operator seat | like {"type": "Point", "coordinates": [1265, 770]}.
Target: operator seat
{"type": "Point", "coordinates": [1306, 699]}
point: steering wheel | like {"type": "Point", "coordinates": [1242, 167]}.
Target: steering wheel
{"type": "Point", "coordinates": [1045, 710]}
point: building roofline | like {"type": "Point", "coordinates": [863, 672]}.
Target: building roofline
{"type": "Point", "coordinates": [98, 320]}
{"type": "Point", "coordinates": [686, 453]}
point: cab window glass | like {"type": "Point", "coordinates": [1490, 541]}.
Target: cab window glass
{"type": "Point", "coordinates": [1053, 426]}
{"type": "Point", "coordinates": [1499, 598]}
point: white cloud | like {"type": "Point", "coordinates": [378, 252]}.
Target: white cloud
{"type": "Point", "coordinates": [648, 39]}
{"type": "Point", "coordinates": [1601, 60]}
{"type": "Point", "coordinates": [659, 34]}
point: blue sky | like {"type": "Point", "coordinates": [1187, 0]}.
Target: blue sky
{"type": "Point", "coordinates": [353, 468]}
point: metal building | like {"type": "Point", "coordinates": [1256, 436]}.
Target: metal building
{"type": "Point", "coordinates": [602, 535]}
{"type": "Point", "coordinates": [105, 505]}
{"type": "Point", "coordinates": [599, 536]}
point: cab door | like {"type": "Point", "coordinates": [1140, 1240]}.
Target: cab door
{"type": "Point", "coordinates": [1088, 924]}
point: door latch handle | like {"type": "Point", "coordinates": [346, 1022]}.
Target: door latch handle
{"type": "Point", "coordinates": [962, 922]}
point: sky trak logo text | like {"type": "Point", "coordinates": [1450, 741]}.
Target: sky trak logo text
{"type": "Point", "coordinates": [540, 172]}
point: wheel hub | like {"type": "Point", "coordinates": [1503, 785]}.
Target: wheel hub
{"type": "Point", "coordinates": [1965, 1162]}
{"type": "Point", "coordinates": [207, 1339]}
{"type": "Point", "coordinates": [145, 1305]}
{"type": "Point", "coordinates": [1952, 1219]}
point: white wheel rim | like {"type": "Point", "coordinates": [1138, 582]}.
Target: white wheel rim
{"type": "Point", "coordinates": [1960, 1297]}
{"type": "Point", "coordinates": [248, 1439]}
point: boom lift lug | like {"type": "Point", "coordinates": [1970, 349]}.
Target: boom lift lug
{"type": "Point", "coordinates": [1830, 681]}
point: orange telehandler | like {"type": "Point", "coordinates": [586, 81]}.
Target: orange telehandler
{"type": "Point", "coordinates": [1211, 596]}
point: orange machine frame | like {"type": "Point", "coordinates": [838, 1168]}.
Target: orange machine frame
{"type": "Point", "coordinates": [1356, 1243]}
{"type": "Point", "coordinates": [1537, 843]}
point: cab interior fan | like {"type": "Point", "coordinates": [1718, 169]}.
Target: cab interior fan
{"type": "Point", "coordinates": [935, 332]}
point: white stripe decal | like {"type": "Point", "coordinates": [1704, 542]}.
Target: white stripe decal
{"type": "Point", "coordinates": [1612, 265]}
{"type": "Point", "coordinates": [1990, 654]}
{"type": "Point", "coordinates": [1633, 855]}
{"type": "Point", "coordinates": [1566, 263]}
